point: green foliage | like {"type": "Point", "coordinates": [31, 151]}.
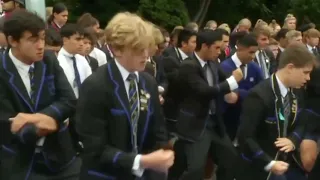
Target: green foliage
{"type": "Point", "coordinates": [166, 13]}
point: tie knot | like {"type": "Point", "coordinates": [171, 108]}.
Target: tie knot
{"type": "Point", "coordinates": [31, 69]}
{"type": "Point", "coordinates": [131, 77]}
{"type": "Point", "coordinates": [73, 58]}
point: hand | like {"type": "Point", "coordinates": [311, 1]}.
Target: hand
{"type": "Point", "coordinates": [160, 160]}
{"type": "Point", "coordinates": [46, 124]}
{"type": "Point", "coordinates": [279, 168]}
{"type": "Point", "coordinates": [284, 144]}
{"type": "Point", "coordinates": [237, 74]}
{"type": "Point", "coordinates": [231, 98]}
{"type": "Point", "coordinates": [20, 120]}
{"type": "Point", "coordinates": [161, 99]}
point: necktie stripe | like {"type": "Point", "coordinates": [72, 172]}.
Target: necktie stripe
{"type": "Point", "coordinates": [134, 108]}
{"type": "Point", "coordinates": [32, 84]}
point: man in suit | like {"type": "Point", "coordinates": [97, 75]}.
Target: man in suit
{"type": "Point", "coordinates": [36, 100]}
{"type": "Point", "coordinates": [281, 38]}
{"type": "Point", "coordinates": [263, 56]}
{"type": "Point", "coordinates": [246, 49]}
{"type": "Point", "coordinates": [119, 117]}
{"type": "Point", "coordinates": [270, 130]}
{"type": "Point", "coordinates": [154, 65]}
{"type": "Point", "coordinates": [202, 86]}
{"type": "Point", "coordinates": [171, 62]}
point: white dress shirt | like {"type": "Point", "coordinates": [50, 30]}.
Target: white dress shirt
{"type": "Point", "coordinates": [66, 63]}
{"type": "Point", "coordinates": [283, 92]}
{"type": "Point", "coordinates": [233, 84]}
{"type": "Point", "coordinates": [99, 55]}
{"type": "Point", "coordinates": [136, 167]}
{"type": "Point", "coordinates": [238, 63]}
{"type": "Point", "coordinates": [23, 70]}
{"type": "Point", "coordinates": [310, 48]}
{"type": "Point", "coordinates": [183, 55]}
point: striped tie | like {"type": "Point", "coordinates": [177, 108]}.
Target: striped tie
{"type": "Point", "coordinates": [32, 85]}
{"type": "Point", "coordinates": [286, 112]}
{"type": "Point", "coordinates": [134, 108]}
{"type": "Point", "coordinates": [77, 81]}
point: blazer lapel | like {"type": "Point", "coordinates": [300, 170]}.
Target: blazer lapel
{"type": "Point", "coordinates": [15, 81]}
{"type": "Point", "coordinates": [294, 108]}
{"type": "Point", "coordinates": [201, 68]}
{"type": "Point", "coordinates": [145, 110]}
{"type": "Point", "coordinates": [39, 76]}
{"type": "Point", "coordinates": [119, 88]}
{"type": "Point", "coordinates": [277, 103]}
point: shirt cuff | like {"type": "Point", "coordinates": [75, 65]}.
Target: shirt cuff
{"type": "Point", "coordinates": [232, 83]}
{"type": "Point", "coordinates": [269, 166]}
{"type": "Point", "coordinates": [137, 170]}
{"type": "Point", "coordinates": [160, 89]}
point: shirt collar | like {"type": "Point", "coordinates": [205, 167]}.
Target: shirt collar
{"type": "Point", "coordinates": [282, 87]}
{"type": "Point", "coordinates": [19, 64]}
{"type": "Point", "coordinates": [281, 48]}
{"type": "Point", "coordinates": [125, 73]}
{"type": "Point", "coordinates": [183, 55]}
{"type": "Point", "coordinates": [65, 53]}
{"type": "Point", "coordinates": [236, 60]}
{"type": "Point", "coordinates": [202, 62]}
{"type": "Point", "coordinates": [309, 47]}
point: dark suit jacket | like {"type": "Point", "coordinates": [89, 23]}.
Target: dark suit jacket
{"type": "Point", "coordinates": [93, 62]}
{"type": "Point", "coordinates": [55, 98]}
{"type": "Point", "coordinates": [104, 125]}
{"type": "Point", "coordinates": [171, 64]}
{"type": "Point", "coordinates": [105, 49]}
{"type": "Point", "coordinates": [155, 68]}
{"type": "Point", "coordinates": [195, 96]}
{"type": "Point", "coordinates": [260, 126]}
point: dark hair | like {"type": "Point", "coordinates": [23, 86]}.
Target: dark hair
{"type": "Point", "coordinates": [208, 37]}
{"type": "Point", "coordinates": [298, 55]}
{"type": "Point", "coordinates": [71, 29]}
{"type": "Point", "coordinates": [222, 31]}
{"type": "Point", "coordinates": [57, 8]}
{"type": "Point", "coordinates": [236, 36]}
{"type": "Point", "coordinates": [89, 33]}
{"type": "Point", "coordinates": [87, 20]}
{"type": "Point", "coordinates": [53, 38]}
{"type": "Point", "coordinates": [21, 21]}
{"type": "Point", "coordinates": [184, 36]}
{"type": "Point", "coordinates": [281, 34]}
{"type": "Point", "coordinates": [247, 41]}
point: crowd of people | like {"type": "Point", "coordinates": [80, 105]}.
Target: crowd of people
{"type": "Point", "coordinates": [135, 102]}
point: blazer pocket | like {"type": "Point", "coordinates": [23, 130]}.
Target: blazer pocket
{"type": "Point", "coordinates": [49, 80]}
{"type": "Point", "coordinates": [101, 175]}
{"type": "Point", "coordinates": [117, 112]}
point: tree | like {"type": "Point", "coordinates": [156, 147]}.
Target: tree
{"type": "Point", "coordinates": [165, 13]}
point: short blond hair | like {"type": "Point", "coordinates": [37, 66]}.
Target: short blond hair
{"type": "Point", "coordinates": [293, 34]}
{"type": "Point", "coordinates": [312, 33]}
{"type": "Point", "coordinates": [128, 30]}
{"type": "Point", "coordinates": [225, 26]}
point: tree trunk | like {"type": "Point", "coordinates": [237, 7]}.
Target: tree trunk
{"type": "Point", "coordinates": [204, 13]}
{"type": "Point", "coordinates": [199, 13]}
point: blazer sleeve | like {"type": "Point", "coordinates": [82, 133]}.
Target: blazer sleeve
{"type": "Point", "coordinates": [91, 124]}
{"type": "Point", "coordinates": [161, 134]}
{"type": "Point", "coordinates": [6, 112]}
{"type": "Point", "coordinates": [65, 101]}
{"type": "Point", "coordinates": [190, 74]}
{"type": "Point", "coordinates": [251, 117]}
